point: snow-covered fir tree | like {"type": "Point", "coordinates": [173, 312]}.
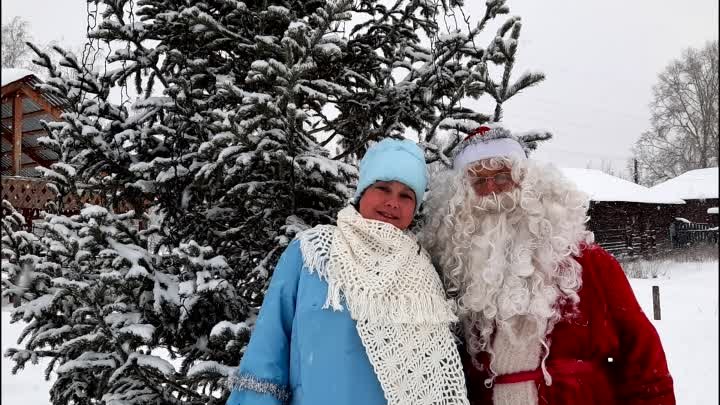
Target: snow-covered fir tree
{"type": "Point", "coordinates": [20, 253]}
{"type": "Point", "coordinates": [223, 156]}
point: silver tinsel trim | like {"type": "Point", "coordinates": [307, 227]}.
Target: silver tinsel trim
{"type": "Point", "coordinates": [251, 383]}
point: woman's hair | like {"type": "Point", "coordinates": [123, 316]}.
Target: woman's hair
{"type": "Point", "coordinates": [507, 258]}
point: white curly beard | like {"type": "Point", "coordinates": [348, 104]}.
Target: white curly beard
{"type": "Point", "coordinates": [508, 258]}
{"type": "Point", "coordinates": [504, 286]}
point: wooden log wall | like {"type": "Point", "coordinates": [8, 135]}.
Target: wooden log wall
{"type": "Point", "coordinates": [631, 229]}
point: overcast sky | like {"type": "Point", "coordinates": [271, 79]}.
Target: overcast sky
{"type": "Point", "coordinates": [601, 59]}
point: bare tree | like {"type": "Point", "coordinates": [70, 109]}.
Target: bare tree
{"type": "Point", "coordinates": [608, 167]}
{"type": "Point", "coordinates": [15, 51]}
{"type": "Point", "coordinates": [17, 54]}
{"type": "Point", "coordinates": [684, 133]}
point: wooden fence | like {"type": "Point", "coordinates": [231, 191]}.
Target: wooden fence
{"type": "Point", "coordinates": [30, 195]}
{"type": "Point", "coordinates": [690, 233]}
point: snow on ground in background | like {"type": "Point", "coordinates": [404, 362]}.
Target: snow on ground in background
{"type": "Point", "coordinates": [688, 330]}
{"type": "Point", "coordinates": [27, 386]}
{"type": "Point", "coordinates": [688, 327]}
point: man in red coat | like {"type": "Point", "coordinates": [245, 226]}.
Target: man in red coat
{"type": "Point", "coordinates": [547, 316]}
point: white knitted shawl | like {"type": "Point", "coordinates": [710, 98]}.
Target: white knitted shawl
{"type": "Point", "coordinates": [396, 298]}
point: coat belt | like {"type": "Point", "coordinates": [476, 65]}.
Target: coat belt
{"type": "Point", "coordinates": [555, 368]}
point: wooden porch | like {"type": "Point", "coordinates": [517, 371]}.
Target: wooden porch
{"type": "Point", "coordinates": [24, 106]}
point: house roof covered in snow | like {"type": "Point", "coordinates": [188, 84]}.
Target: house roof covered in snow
{"type": "Point", "coordinates": [693, 185]}
{"type": "Point", "coordinates": [601, 186]}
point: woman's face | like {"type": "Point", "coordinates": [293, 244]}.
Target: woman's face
{"type": "Point", "coordinates": [388, 201]}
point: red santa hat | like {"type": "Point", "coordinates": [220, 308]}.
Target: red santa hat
{"type": "Point", "coordinates": [489, 141]}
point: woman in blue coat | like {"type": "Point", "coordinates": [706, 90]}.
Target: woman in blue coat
{"type": "Point", "coordinates": [355, 313]}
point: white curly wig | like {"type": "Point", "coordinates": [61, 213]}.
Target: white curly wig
{"type": "Point", "coordinates": [508, 258]}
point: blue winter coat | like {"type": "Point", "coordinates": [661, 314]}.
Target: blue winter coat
{"type": "Point", "coordinates": [300, 353]}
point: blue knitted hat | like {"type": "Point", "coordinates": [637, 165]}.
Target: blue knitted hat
{"type": "Point", "coordinates": [394, 160]}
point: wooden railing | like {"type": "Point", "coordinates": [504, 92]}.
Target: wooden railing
{"type": "Point", "coordinates": [690, 233]}
{"type": "Point", "coordinates": [32, 193]}
{"type": "Point", "coordinates": [30, 196]}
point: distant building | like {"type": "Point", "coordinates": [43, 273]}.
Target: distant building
{"type": "Point", "coordinates": [24, 105]}
{"type": "Point", "coordinates": [699, 190]}
{"type": "Point", "coordinates": [627, 219]}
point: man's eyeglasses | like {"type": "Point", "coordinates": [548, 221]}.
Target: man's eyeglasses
{"type": "Point", "coordinates": [499, 179]}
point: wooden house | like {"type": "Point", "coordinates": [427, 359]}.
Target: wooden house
{"type": "Point", "coordinates": [627, 219]}
{"type": "Point", "coordinates": [699, 190]}
{"type": "Point", "coordinates": [24, 106]}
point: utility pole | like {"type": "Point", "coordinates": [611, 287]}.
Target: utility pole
{"type": "Point", "coordinates": [636, 175]}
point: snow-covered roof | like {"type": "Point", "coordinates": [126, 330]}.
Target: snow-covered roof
{"type": "Point", "coordinates": [712, 210]}
{"type": "Point", "coordinates": [694, 185]}
{"type": "Point", "coordinates": [10, 75]}
{"type": "Point", "coordinates": [601, 186]}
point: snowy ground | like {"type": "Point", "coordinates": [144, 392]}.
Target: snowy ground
{"type": "Point", "coordinates": [688, 329]}
{"type": "Point", "coordinates": [28, 386]}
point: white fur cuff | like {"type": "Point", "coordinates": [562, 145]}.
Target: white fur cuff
{"type": "Point", "coordinates": [500, 147]}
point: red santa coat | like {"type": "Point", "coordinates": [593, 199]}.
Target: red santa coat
{"type": "Point", "coordinates": [609, 354]}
